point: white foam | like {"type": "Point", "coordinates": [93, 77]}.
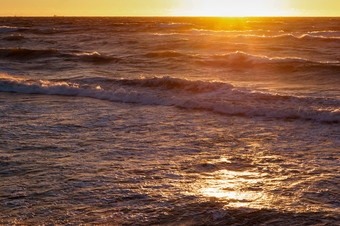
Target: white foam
{"type": "Point", "coordinates": [328, 33]}
{"type": "Point", "coordinates": [242, 57]}
{"type": "Point", "coordinates": [210, 96]}
{"type": "Point", "coordinates": [174, 25]}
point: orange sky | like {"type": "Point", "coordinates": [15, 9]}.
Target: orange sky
{"type": "Point", "coordinates": [170, 7]}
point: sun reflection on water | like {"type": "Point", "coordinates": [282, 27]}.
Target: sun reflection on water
{"type": "Point", "coordinates": [236, 188]}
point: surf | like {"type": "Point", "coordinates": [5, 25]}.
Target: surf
{"type": "Point", "coordinates": [217, 97]}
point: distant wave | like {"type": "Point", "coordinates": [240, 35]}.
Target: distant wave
{"type": "Point", "coordinates": [210, 96]}
{"type": "Point", "coordinates": [327, 33]}
{"type": "Point", "coordinates": [319, 37]}
{"type": "Point", "coordinates": [93, 57]}
{"type": "Point", "coordinates": [297, 37]}
{"type": "Point", "coordinates": [315, 36]}
{"type": "Point", "coordinates": [40, 30]}
{"type": "Point", "coordinates": [14, 37]}
{"type": "Point", "coordinates": [230, 31]}
{"type": "Point", "coordinates": [174, 25]}
{"type": "Point", "coordinates": [28, 29]}
{"type": "Point", "coordinates": [8, 29]}
{"type": "Point", "coordinates": [54, 30]}
{"type": "Point", "coordinates": [239, 58]}
{"type": "Point", "coordinates": [29, 54]}
{"type": "Point", "coordinates": [148, 27]}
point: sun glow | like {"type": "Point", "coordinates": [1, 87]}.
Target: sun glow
{"type": "Point", "coordinates": [214, 8]}
{"type": "Point", "coordinates": [232, 8]}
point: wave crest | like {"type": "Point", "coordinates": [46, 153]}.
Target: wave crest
{"type": "Point", "coordinates": [94, 57]}
{"type": "Point", "coordinates": [239, 58]}
{"type": "Point", "coordinates": [309, 37]}
{"type": "Point", "coordinates": [210, 96]}
{"type": "Point", "coordinates": [29, 54]}
{"type": "Point", "coordinates": [8, 29]}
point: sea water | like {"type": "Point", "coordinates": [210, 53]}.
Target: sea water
{"type": "Point", "coordinates": [193, 121]}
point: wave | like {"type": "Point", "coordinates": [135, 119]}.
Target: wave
{"type": "Point", "coordinates": [42, 30]}
{"type": "Point", "coordinates": [14, 37]}
{"type": "Point", "coordinates": [163, 83]}
{"type": "Point", "coordinates": [28, 29]}
{"type": "Point", "coordinates": [147, 26]}
{"type": "Point", "coordinates": [8, 29]}
{"type": "Point", "coordinates": [241, 59]}
{"type": "Point", "coordinates": [319, 37]}
{"type": "Point", "coordinates": [296, 37]}
{"type": "Point", "coordinates": [300, 37]}
{"type": "Point", "coordinates": [54, 30]}
{"type": "Point", "coordinates": [215, 97]}
{"type": "Point", "coordinates": [29, 54]}
{"type": "Point", "coordinates": [174, 25]}
{"type": "Point", "coordinates": [327, 33]}
{"type": "Point", "coordinates": [315, 36]}
{"type": "Point", "coordinates": [93, 57]}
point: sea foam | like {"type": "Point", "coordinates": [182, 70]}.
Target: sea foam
{"type": "Point", "coordinates": [216, 97]}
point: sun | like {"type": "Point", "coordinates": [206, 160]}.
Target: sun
{"type": "Point", "coordinates": [233, 8]}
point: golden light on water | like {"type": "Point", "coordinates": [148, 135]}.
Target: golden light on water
{"type": "Point", "coordinates": [233, 187]}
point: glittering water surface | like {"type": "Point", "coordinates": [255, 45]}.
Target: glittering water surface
{"type": "Point", "coordinates": [169, 121]}
{"type": "Point", "coordinates": [125, 163]}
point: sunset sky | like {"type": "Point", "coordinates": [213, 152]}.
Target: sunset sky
{"type": "Point", "coordinates": [170, 7]}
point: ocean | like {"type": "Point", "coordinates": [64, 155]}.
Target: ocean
{"type": "Point", "coordinates": [169, 121]}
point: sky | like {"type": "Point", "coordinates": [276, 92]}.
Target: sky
{"type": "Point", "coordinates": [170, 7]}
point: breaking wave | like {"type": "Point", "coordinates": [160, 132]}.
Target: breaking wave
{"type": "Point", "coordinates": [216, 97]}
